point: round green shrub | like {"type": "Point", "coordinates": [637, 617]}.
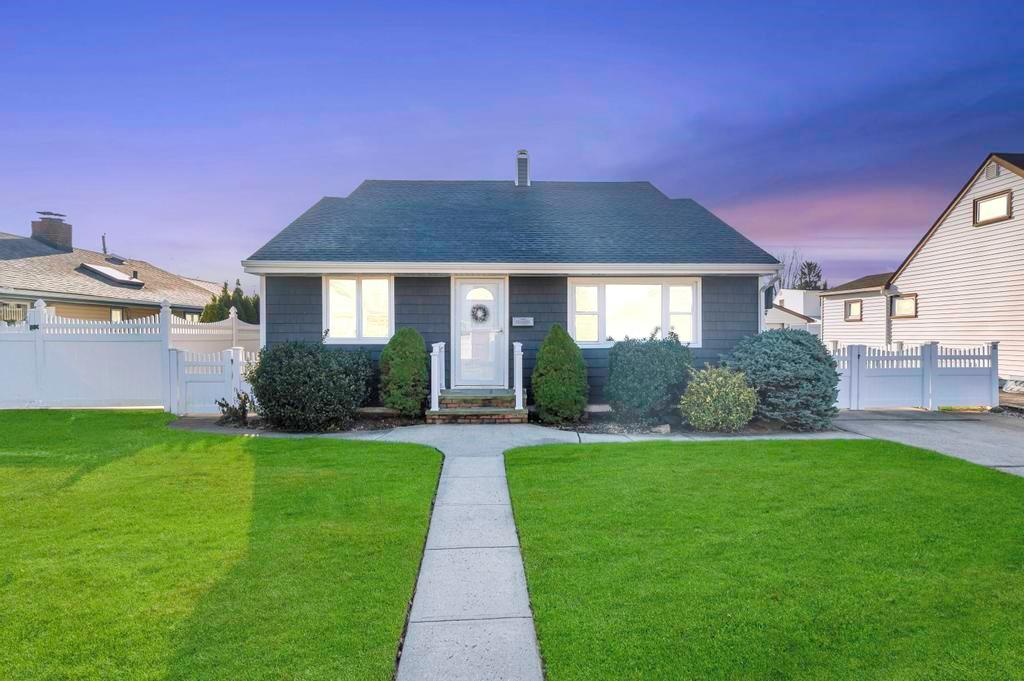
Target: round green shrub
{"type": "Point", "coordinates": [718, 399]}
{"type": "Point", "coordinates": [646, 377]}
{"type": "Point", "coordinates": [559, 379]}
{"type": "Point", "coordinates": [794, 375]}
{"type": "Point", "coordinates": [404, 379]}
{"type": "Point", "coordinates": [310, 387]}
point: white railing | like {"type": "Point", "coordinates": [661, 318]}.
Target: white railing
{"type": "Point", "coordinates": [437, 375]}
{"type": "Point", "coordinates": [517, 369]}
{"type": "Point", "coordinates": [928, 376]}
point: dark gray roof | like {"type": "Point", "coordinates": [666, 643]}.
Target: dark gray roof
{"type": "Point", "coordinates": [28, 265]}
{"type": "Point", "coordinates": [497, 222]}
{"type": "Point", "coordinates": [870, 281]}
{"type": "Point", "coordinates": [1011, 158]}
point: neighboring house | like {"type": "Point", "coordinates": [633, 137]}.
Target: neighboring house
{"type": "Point", "coordinates": [794, 308]}
{"type": "Point", "coordinates": [963, 283]}
{"type": "Point", "coordinates": [212, 287]}
{"type": "Point", "coordinates": [855, 312]}
{"type": "Point", "coordinates": [479, 265]}
{"type": "Point", "coordinates": [84, 284]}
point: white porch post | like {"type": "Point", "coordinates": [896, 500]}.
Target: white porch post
{"type": "Point", "coordinates": [517, 350]}
{"type": "Point", "coordinates": [442, 377]}
{"type": "Point", "coordinates": [435, 372]}
{"type": "Point", "coordinates": [995, 373]}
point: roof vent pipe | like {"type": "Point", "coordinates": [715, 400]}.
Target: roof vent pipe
{"type": "Point", "coordinates": [522, 168]}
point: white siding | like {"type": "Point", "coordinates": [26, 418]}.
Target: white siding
{"type": "Point", "coordinates": [870, 331]}
{"type": "Point", "coordinates": [804, 302]}
{"type": "Point", "coordinates": [970, 280]}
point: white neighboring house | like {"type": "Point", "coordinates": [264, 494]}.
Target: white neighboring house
{"type": "Point", "coordinates": [795, 309]}
{"type": "Point", "coordinates": [961, 285]}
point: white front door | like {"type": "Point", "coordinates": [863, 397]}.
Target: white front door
{"type": "Point", "coordinates": [479, 350]}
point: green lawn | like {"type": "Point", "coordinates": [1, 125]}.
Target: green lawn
{"type": "Point", "coordinates": [128, 550]}
{"type": "Point", "coordinates": [770, 560]}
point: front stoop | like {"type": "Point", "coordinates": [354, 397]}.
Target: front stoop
{"type": "Point", "coordinates": [477, 405]}
{"type": "Point", "coordinates": [478, 415]}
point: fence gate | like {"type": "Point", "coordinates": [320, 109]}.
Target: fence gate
{"type": "Point", "coordinates": [928, 376]}
{"type": "Point", "coordinates": [199, 379]}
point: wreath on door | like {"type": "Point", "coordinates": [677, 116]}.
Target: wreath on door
{"type": "Point", "coordinates": [479, 313]}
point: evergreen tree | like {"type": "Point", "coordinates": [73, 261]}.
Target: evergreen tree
{"type": "Point", "coordinates": [809, 278]}
{"type": "Point", "coordinates": [214, 311]}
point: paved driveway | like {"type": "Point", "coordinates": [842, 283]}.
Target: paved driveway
{"type": "Point", "coordinates": [993, 440]}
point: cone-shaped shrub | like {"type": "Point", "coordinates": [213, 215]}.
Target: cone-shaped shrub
{"type": "Point", "coordinates": [404, 379]}
{"type": "Point", "coordinates": [559, 379]}
{"type": "Point", "coordinates": [795, 377]}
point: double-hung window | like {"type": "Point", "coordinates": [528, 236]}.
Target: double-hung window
{"type": "Point", "coordinates": [358, 309]}
{"type": "Point", "coordinates": [605, 310]}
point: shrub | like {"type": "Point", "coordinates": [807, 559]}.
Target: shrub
{"type": "Point", "coordinates": [718, 399]}
{"type": "Point", "coordinates": [794, 375]}
{"type": "Point", "coordinates": [559, 379]}
{"type": "Point", "coordinates": [646, 377]}
{"type": "Point", "coordinates": [310, 387]}
{"type": "Point", "coordinates": [404, 379]}
{"type": "Point", "coordinates": [236, 413]}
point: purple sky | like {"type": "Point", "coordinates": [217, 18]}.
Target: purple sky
{"type": "Point", "coordinates": [191, 134]}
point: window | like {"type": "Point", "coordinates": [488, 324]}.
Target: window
{"type": "Point", "coordinates": [993, 208]}
{"type": "Point", "coordinates": [358, 309]}
{"type": "Point", "coordinates": [117, 314]}
{"type": "Point", "coordinates": [192, 316]}
{"type": "Point", "coordinates": [854, 311]}
{"type": "Point", "coordinates": [904, 305]}
{"type": "Point", "coordinates": [602, 311]}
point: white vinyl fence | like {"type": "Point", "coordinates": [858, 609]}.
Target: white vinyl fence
{"type": "Point", "coordinates": [929, 376]}
{"type": "Point", "coordinates": [50, 361]}
{"type": "Point", "coordinates": [215, 336]}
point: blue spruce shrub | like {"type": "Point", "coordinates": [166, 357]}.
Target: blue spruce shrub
{"type": "Point", "coordinates": [794, 375]}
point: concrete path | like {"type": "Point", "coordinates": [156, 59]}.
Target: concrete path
{"type": "Point", "coordinates": [992, 440]}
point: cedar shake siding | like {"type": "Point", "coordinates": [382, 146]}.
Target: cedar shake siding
{"type": "Point", "coordinates": [294, 308]}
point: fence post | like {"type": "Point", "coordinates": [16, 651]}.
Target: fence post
{"type": "Point", "coordinates": [855, 360]}
{"type": "Point", "coordinates": [233, 316]}
{"type": "Point", "coordinates": [929, 370]}
{"type": "Point", "coordinates": [994, 360]}
{"type": "Point", "coordinates": [181, 385]}
{"type": "Point", "coordinates": [37, 325]}
{"type": "Point", "coordinates": [236, 371]}
{"type": "Point", "coordinates": [165, 353]}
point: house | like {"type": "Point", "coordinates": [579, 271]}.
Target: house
{"type": "Point", "coordinates": [794, 308]}
{"type": "Point", "coordinates": [83, 284]}
{"type": "Point", "coordinates": [961, 285]}
{"type": "Point", "coordinates": [480, 265]}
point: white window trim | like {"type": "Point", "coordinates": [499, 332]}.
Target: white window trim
{"type": "Point", "coordinates": [358, 339]}
{"type": "Point", "coordinates": [665, 282]}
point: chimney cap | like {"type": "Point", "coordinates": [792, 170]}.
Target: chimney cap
{"type": "Point", "coordinates": [50, 214]}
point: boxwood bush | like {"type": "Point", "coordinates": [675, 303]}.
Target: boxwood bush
{"type": "Point", "coordinates": [310, 387]}
{"type": "Point", "coordinates": [718, 399]}
{"type": "Point", "coordinates": [404, 379]}
{"type": "Point", "coordinates": [794, 375]}
{"type": "Point", "coordinates": [646, 377]}
{"type": "Point", "coordinates": [559, 379]}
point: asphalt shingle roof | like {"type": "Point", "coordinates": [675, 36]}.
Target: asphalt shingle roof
{"type": "Point", "coordinates": [497, 222]}
{"type": "Point", "coordinates": [870, 281]}
{"type": "Point", "coordinates": [30, 265]}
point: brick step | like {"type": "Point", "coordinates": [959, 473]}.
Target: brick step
{"type": "Point", "coordinates": [478, 402]}
{"type": "Point", "coordinates": [477, 415]}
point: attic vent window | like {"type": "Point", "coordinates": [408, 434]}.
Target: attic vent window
{"type": "Point", "coordinates": [992, 171]}
{"type": "Point", "coordinates": [993, 208]}
{"type": "Point", "coordinates": [116, 276]}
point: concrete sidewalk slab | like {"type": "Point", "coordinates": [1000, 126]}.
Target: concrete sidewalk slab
{"type": "Point", "coordinates": [480, 467]}
{"type": "Point", "coordinates": [463, 584]}
{"type": "Point", "coordinates": [489, 490]}
{"type": "Point", "coordinates": [470, 651]}
{"type": "Point", "coordinates": [454, 526]}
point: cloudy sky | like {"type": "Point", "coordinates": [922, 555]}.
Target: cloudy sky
{"type": "Point", "coordinates": [190, 134]}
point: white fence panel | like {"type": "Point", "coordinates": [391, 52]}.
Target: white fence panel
{"type": "Point", "coordinates": [215, 336]}
{"type": "Point", "coordinates": [926, 376]}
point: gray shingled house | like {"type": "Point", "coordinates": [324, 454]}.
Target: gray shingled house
{"type": "Point", "coordinates": [480, 265]}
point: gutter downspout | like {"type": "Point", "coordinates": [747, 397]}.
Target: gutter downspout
{"type": "Point", "coordinates": [761, 311]}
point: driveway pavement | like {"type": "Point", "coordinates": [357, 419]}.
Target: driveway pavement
{"type": "Point", "coordinates": [992, 440]}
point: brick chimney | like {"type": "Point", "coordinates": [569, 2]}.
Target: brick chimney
{"type": "Point", "coordinates": [522, 168]}
{"type": "Point", "coordinates": [51, 229]}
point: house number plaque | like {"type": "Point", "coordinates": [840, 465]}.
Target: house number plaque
{"type": "Point", "coordinates": [522, 321]}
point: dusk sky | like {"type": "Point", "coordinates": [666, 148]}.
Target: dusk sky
{"type": "Point", "coordinates": [192, 133]}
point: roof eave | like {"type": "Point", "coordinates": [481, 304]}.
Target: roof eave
{"type": "Point", "coordinates": [260, 267]}
{"type": "Point", "coordinates": [869, 289]}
